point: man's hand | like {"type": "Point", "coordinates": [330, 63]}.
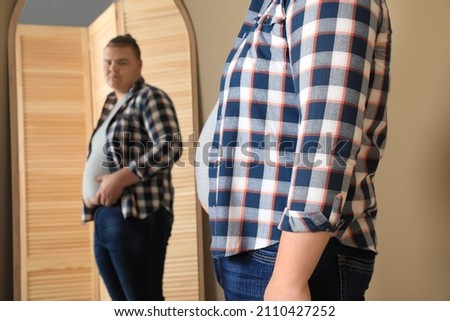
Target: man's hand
{"type": "Point", "coordinates": [112, 186]}
{"type": "Point", "coordinates": [298, 255]}
{"type": "Point", "coordinates": [90, 202]}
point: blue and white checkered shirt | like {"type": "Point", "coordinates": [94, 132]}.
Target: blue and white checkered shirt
{"type": "Point", "coordinates": [301, 124]}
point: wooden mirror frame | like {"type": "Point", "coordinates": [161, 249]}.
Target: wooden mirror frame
{"type": "Point", "coordinates": [14, 130]}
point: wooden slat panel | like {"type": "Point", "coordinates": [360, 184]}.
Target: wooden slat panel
{"type": "Point", "coordinates": [103, 29]}
{"type": "Point", "coordinates": [53, 65]}
{"type": "Point", "coordinates": [162, 35]}
{"type": "Point", "coordinates": [56, 284]}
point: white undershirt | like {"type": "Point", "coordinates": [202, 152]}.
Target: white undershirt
{"type": "Point", "coordinates": [93, 167]}
{"type": "Point", "coordinates": [201, 158]}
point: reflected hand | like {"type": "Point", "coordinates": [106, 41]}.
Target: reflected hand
{"type": "Point", "coordinates": [90, 202]}
{"type": "Point", "coordinates": [110, 190]}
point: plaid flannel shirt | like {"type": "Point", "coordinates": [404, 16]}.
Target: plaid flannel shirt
{"type": "Point", "coordinates": [301, 124]}
{"type": "Point", "coordinates": [143, 136]}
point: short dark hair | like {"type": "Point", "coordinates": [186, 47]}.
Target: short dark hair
{"type": "Point", "coordinates": [125, 41]}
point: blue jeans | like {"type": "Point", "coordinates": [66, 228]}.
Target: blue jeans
{"type": "Point", "coordinates": [342, 274]}
{"type": "Point", "coordinates": [130, 253]}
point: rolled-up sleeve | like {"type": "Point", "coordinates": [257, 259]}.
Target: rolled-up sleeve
{"type": "Point", "coordinates": [331, 47]}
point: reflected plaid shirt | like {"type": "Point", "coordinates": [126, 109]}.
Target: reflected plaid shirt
{"type": "Point", "coordinates": [301, 124]}
{"type": "Point", "coordinates": [143, 136]}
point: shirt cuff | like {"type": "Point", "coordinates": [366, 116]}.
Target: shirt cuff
{"type": "Point", "coordinates": [134, 169]}
{"type": "Point", "coordinates": [312, 221]}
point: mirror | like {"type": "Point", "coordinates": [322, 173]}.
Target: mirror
{"type": "Point", "coordinates": [57, 91]}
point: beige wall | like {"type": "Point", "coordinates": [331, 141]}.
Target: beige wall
{"type": "Point", "coordinates": [413, 181]}
{"type": "Point", "coordinates": [414, 178]}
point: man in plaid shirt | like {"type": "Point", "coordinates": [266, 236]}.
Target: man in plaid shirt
{"type": "Point", "coordinates": [127, 185]}
{"type": "Point", "coordinates": [299, 131]}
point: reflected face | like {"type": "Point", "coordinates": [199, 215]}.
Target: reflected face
{"type": "Point", "coordinates": [121, 68]}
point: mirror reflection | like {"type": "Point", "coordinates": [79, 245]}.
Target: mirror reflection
{"type": "Point", "coordinates": [60, 94]}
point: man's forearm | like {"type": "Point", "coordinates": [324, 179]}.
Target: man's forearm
{"type": "Point", "coordinates": [126, 177]}
{"type": "Point", "coordinates": [298, 255]}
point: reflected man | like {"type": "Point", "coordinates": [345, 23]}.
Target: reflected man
{"type": "Point", "coordinates": [127, 186]}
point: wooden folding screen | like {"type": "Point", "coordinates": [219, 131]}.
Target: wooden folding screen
{"type": "Point", "coordinates": [53, 98]}
{"type": "Point", "coordinates": [103, 29]}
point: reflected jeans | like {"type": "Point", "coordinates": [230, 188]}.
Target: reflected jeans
{"type": "Point", "coordinates": [342, 274]}
{"type": "Point", "coordinates": [130, 253]}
